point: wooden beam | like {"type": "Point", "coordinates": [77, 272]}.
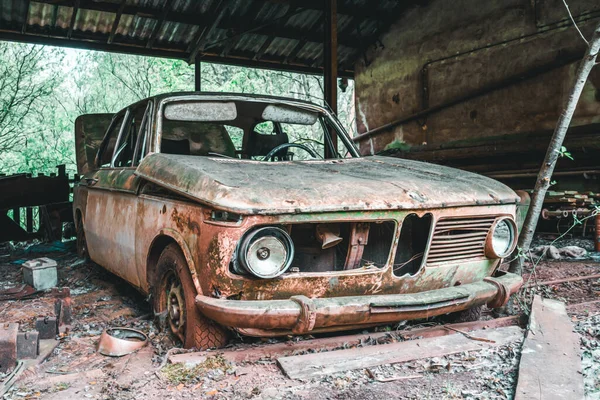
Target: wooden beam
{"type": "Point", "coordinates": [318, 364]}
{"type": "Point", "coordinates": [75, 6]}
{"type": "Point", "coordinates": [197, 75]}
{"type": "Point", "coordinates": [550, 366]}
{"type": "Point", "coordinates": [25, 16]}
{"type": "Point", "coordinates": [330, 65]}
{"type": "Point", "coordinates": [159, 24]}
{"type": "Point", "coordinates": [116, 22]}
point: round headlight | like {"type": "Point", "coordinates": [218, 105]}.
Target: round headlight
{"type": "Point", "coordinates": [266, 252]}
{"type": "Point", "coordinates": [502, 238]}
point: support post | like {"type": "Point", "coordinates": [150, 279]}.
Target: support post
{"type": "Point", "coordinates": [330, 64]}
{"type": "Point", "coordinates": [197, 75]}
{"type": "Point", "coordinates": [554, 150]}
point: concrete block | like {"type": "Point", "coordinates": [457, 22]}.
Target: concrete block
{"type": "Point", "coordinates": [8, 346]}
{"type": "Point", "coordinates": [28, 344]}
{"type": "Point", "coordinates": [40, 273]}
{"type": "Point", "coordinates": [47, 327]}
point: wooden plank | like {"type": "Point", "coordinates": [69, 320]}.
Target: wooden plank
{"type": "Point", "coordinates": [256, 353]}
{"type": "Point", "coordinates": [314, 365]}
{"type": "Point", "coordinates": [550, 366]}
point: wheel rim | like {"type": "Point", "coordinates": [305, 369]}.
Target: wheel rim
{"type": "Point", "coordinates": [81, 243]}
{"type": "Point", "coordinates": [175, 306]}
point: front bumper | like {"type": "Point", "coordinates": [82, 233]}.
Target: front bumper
{"type": "Point", "coordinates": [300, 315]}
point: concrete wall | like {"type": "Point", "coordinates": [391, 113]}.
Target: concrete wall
{"type": "Point", "coordinates": [446, 50]}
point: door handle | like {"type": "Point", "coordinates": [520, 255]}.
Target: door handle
{"type": "Point", "coordinates": [91, 181]}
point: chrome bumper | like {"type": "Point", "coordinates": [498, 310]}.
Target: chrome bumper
{"type": "Point", "coordinates": [300, 315]}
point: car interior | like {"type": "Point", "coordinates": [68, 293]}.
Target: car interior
{"type": "Point", "coordinates": [245, 130]}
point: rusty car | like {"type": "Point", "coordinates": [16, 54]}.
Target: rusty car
{"type": "Point", "coordinates": [257, 214]}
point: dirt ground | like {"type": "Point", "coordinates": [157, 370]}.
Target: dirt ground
{"type": "Point", "coordinates": [75, 370]}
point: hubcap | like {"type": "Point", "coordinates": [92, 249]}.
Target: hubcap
{"type": "Point", "coordinates": [175, 306]}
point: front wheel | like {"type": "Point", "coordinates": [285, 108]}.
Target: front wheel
{"type": "Point", "coordinates": [468, 315]}
{"type": "Point", "coordinates": [174, 294]}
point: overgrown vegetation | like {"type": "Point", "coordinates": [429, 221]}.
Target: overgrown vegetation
{"type": "Point", "coordinates": [44, 89]}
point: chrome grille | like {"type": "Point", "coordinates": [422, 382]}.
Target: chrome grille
{"type": "Point", "coordinates": [459, 239]}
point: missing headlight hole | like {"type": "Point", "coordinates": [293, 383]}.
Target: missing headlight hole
{"type": "Point", "coordinates": [414, 235]}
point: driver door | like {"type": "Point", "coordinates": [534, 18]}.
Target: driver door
{"type": "Point", "coordinates": [112, 205]}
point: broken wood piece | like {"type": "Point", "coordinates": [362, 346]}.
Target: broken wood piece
{"type": "Point", "coordinates": [256, 353]}
{"type": "Point", "coordinates": [470, 336]}
{"type": "Point", "coordinates": [391, 379]}
{"type": "Point", "coordinates": [550, 366]}
{"type": "Point", "coordinates": [317, 364]}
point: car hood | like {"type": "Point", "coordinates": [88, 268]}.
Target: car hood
{"type": "Point", "coordinates": [367, 183]}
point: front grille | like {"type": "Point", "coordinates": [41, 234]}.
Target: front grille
{"type": "Point", "coordinates": [459, 239]}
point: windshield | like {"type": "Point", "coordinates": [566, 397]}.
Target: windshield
{"type": "Point", "coordinates": [250, 130]}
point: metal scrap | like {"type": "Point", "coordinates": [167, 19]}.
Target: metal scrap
{"type": "Point", "coordinates": [117, 342]}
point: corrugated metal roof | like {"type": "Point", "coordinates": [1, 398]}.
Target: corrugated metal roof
{"type": "Point", "coordinates": [279, 34]}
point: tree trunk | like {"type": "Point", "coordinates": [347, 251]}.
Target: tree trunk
{"type": "Point", "coordinates": [554, 148]}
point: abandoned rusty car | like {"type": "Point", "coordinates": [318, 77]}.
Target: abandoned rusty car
{"type": "Point", "coordinates": [257, 214]}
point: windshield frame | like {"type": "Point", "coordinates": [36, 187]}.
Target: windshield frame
{"type": "Point", "coordinates": [335, 123]}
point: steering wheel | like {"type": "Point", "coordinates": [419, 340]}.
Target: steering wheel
{"type": "Point", "coordinates": [277, 149]}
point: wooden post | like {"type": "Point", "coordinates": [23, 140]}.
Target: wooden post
{"type": "Point", "coordinates": [197, 75]}
{"type": "Point", "coordinates": [330, 62]}
{"type": "Point", "coordinates": [554, 150]}
{"type": "Point", "coordinates": [29, 219]}
{"type": "Point", "coordinates": [17, 215]}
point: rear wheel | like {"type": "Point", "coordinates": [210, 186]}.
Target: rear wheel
{"type": "Point", "coordinates": [174, 295]}
{"type": "Point", "coordinates": [82, 250]}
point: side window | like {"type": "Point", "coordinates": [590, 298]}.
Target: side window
{"type": "Point", "coordinates": [237, 136]}
{"type": "Point", "coordinates": [141, 146]}
{"type": "Point", "coordinates": [128, 139]}
{"type": "Point", "coordinates": [108, 147]}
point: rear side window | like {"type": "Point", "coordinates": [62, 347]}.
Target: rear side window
{"type": "Point", "coordinates": [108, 147]}
{"type": "Point", "coordinates": [125, 149]}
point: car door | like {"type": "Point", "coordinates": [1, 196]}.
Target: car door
{"type": "Point", "coordinates": [112, 200]}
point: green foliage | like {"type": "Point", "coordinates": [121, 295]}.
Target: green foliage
{"type": "Point", "coordinates": [398, 145]}
{"type": "Point", "coordinates": [63, 84]}
{"type": "Point", "coordinates": [564, 153]}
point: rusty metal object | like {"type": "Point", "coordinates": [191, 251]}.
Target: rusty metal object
{"type": "Point", "coordinates": [28, 345]}
{"type": "Point", "coordinates": [289, 315]}
{"type": "Point", "coordinates": [8, 346]}
{"type": "Point", "coordinates": [117, 342]}
{"type": "Point", "coordinates": [18, 293]}
{"type": "Point", "coordinates": [62, 307]}
{"type": "Point", "coordinates": [359, 238]}
{"type": "Point", "coordinates": [47, 327]}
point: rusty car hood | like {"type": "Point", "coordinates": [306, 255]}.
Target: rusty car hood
{"type": "Point", "coordinates": [366, 183]}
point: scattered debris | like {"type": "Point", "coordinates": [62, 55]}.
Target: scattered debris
{"type": "Point", "coordinates": [554, 253]}
{"type": "Point", "coordinates": [393, 378]}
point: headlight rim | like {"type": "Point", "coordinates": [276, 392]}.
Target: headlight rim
{"type": "Point", "coordinates": [490, 252]}
{"type": "Point", "coordinates": [249, 238]}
